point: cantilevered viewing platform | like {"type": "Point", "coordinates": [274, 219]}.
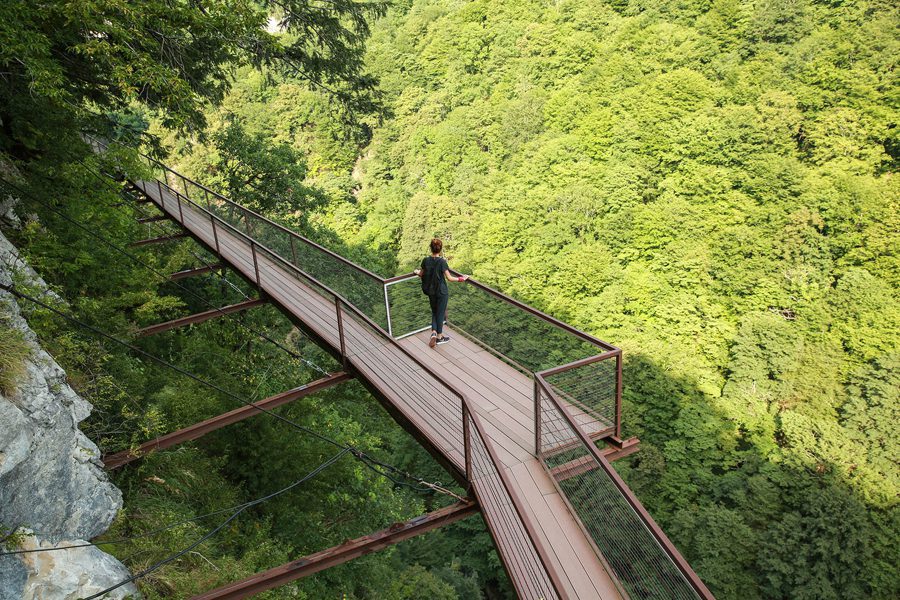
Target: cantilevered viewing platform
{"type": "Point", "coordinates": [522, 409]}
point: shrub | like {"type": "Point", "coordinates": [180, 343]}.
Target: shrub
{"type": "Point", "coordinates": [13, 352]}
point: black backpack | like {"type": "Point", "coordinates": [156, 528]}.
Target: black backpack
{"type": "Point", "coordinates": [431, 276]}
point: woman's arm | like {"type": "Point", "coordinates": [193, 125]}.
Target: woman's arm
{"type": "Point", "coordinates": [450, 277]}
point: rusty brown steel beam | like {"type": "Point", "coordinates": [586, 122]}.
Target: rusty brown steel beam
{"type": "Point", "coordinates": [191, 272]}
{"type": "Point", "coordinates": [159, 240]}
{"type": "Point", "coordinates": [620, 448]}
{"type": "Point", "coordinates": [340, 554]}
{"type": "Point", "coordinates": [587, 462]}
{"type": "Point", "coordinates": [602, 435]}
{"type": "Point", "coordinates": [201, 317]}
{"type": "Point", "coordinates": [198, 430]}
{"type": "Point", "coordinates": [153, 219]}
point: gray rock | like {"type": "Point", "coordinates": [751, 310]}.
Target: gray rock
{"type": "Point", "coordinates": [69, 574]}
{"type": "Point", "coordinates": [9, 217]}
{"type": "Point", "coordinates": [14, 437]}
{"type": "Point", "coordinates": [13, 577]}
{"type": "Point", "coordinates": [51, 478]}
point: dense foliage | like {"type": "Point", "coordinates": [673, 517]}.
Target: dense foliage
{"type": "Point", "coordinates": [113, 67]}
{"type": "Point", "coordinates": [709, 184]}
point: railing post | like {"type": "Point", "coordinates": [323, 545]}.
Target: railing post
{"type": "Point", "coordinates": [340, 324]}
{"type": "Point", "coordinates": [162, 202]}
{"type": "Point", "coordinates": [619, 395]}
{"type": "Point", "coordinates": [467, 440]}
{"type": "Point", "coordinates": [255, 264]}
{"type": "Point", "coordinates": [537, 417]}
{"type": "Point", "coordinates": [387, 308]}
{"type": "Point", "coordinates": [247, 225]}
{"type": "Point", "coordinates": [185, 186]}
{"type": "Point", "coordinates": [208, 203]}
{"type": "Point", "coordinates": [294, 251]}
{"type": "Point", "coordinates": [180, 211]}
{"type": "Point", "coordinates": [212, 220]}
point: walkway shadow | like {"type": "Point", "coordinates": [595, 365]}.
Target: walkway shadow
{"type": "Point", "coordinates": [752, 524]}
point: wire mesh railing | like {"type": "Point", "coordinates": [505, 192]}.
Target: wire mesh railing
{"type": "Point", "coordinates": [590, 389]}
{"type": "Point", "coordinates": [644, 561]}
{"type": "Point", "coordinates": [359, 286]}
{"type": "Point", "coordinates": [494, 493]}
{"type": "Point", "coordinates": [408, 310]}
{"type": "Point", "coordinates": [515, 332]}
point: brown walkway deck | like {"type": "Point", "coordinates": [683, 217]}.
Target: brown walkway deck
{"type": "Point", "coordinates": [500, 395]}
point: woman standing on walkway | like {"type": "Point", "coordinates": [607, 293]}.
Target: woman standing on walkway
{"type": "Point", "coordinates": [435, 273]}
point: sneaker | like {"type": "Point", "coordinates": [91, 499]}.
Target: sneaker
{"type": "Point", "coordinates": [443, 340]}
{"type": "Point", "coordinates": [432, 341]}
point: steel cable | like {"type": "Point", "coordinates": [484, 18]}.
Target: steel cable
{"type": "Point", "coordinates": [369, 461]}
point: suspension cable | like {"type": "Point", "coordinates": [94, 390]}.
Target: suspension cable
{"type": "Point", "coordinates": [218, 528]}
{"type": "Point", "coordinates": [137, 260]}
{"type": "Point", "coordinates": [159, 530]}
{"type": "Point", "coordinates": [367, 460]}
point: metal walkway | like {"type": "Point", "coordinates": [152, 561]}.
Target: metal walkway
{"type": "Point", "coordinates": [513, 408]}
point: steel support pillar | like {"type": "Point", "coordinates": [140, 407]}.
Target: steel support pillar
{"type": "Point", "coordinates": [192, 272]}
{"type": "Point", "coordinates": [587, 463]}
{"type": "Point", "coordinates": [337, 555]}
{"type": "Point", "coordinates": [159, 240]}
{"type": "Point", "coordinates": [198, 430]}
{"type": "Point", "coordinates": [200, 317]}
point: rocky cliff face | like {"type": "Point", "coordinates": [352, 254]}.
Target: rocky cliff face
{"type": "Point", "coordinates": [51, 481]}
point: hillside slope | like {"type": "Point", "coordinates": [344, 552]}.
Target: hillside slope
{"type": "Point", "coordinates": [710, 185]}
{"type": "Point", "coordinates": [53, 491]}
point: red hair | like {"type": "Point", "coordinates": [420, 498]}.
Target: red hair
{"type": "Point", "coordinates": [436, 245]}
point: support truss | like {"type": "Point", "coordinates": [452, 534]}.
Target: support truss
{"type": "Point", "coordinates": [153, 219]}
{"type": "Point", "coordinates": [200, 317]}
{"type": "Point", "coordinates": [340, 554]}
{"type": "Point", "coordinates": [198, 271]}
{"type": "Point", "coordinates": [114, 461]}
{"type": "Point", "coordinates": [159, 240]}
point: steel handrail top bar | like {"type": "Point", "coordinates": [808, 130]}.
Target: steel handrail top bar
{"type": "Point", "coordinates": [498, 465]}
{"type": "Point", "coordinates": [389, 280]}
{"type": "Point", "coordinates": [290, 232]}
{"type": "Point", "coordinates": [520, 305]}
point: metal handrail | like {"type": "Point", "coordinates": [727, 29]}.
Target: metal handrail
{"type": "Point", "coordinates": [509, 300]}
{"type": "Point", "coordinates": [256, 215]}
{"type": "Point", "coordinates": [662, 540]}
{"type": "Point", "coordinates": [385, 282]}
{"type": "Point", "coordinates": [342, 303]}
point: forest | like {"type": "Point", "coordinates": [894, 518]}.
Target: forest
{"type": "Point", "coordinates": [708, 184]}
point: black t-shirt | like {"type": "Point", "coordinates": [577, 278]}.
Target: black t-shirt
{"type": "Point", "coordinates": [429, 265]}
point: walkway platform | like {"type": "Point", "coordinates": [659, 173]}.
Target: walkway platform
{"type": "Point", "coordinates": [499, 394]}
